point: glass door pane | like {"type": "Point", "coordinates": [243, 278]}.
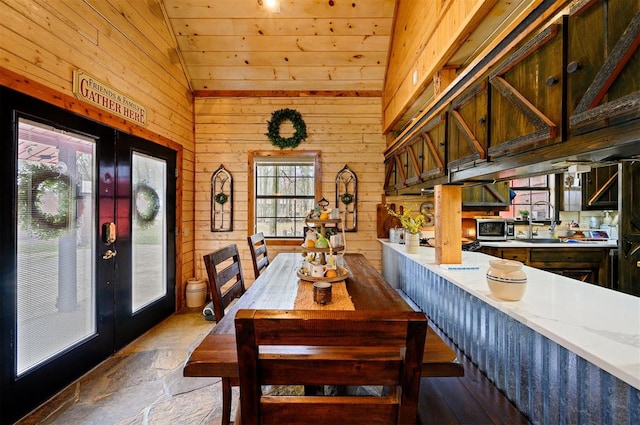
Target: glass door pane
{"type": "Point", "coordinates": [56, 307]}
{"type": "Point", "coordinates": [148, 233]}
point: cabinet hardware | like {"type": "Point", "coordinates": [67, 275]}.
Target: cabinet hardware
{"type": "Point", "coordinates": [551, 80]}
{"type": "Point", "coordinates": [573, 67]}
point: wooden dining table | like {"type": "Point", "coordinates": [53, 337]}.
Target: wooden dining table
{"type": "Point", "coordinates": [277, 288]}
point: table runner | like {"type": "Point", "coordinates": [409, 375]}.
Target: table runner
{"type": "Point", "coordinates": [340, 298]}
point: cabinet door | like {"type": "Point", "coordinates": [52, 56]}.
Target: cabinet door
{"type": "Point", "coordinates": [629, 258]}
{"type": "Point", "coordinates": [467, 143]}
{"type": "Point", "coordinates": [526, 95]}
{"type": "Point", "coordinates": [603, 71]}
{"type": "Point", "coordinates": [600, 188]}
{"type": "Point", "coordinates": [516, 254]}
{"type": "Point", "coordinates": [586, 275]}
{"type": "Point", "coordinates": [488, 196]}
{"type": "Point", "coordinates": [420, 160]}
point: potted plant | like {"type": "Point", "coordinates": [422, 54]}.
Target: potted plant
{"type": "Point", "coordinates": [412, 224]}
{"type": "Point", "coordinates": [524, 214]}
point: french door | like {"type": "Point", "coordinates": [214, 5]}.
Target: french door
{"type": "Point", "coordinates": [87, 219]}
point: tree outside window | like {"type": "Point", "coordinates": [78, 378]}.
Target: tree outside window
{"type": "Point", "coordinates": [283, 191]}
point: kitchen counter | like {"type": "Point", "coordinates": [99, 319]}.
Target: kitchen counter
{"type": "Point", "coordinates": [560, 324]}
{"type": "Point", "coordinates": [585, 260]}
{"type": "Point", "coordinates": [518, 243]}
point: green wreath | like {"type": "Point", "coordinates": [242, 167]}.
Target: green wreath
{"type": "Point", "coordinates": [36, 183]}
{"type": "Point", "coordinates": [346, 198]}
{"type": "Point", "coordinates": [146, 204]}
{"type": "Point", "coordinates": [221, 198]}
{"type": "Point", "coordinates": [273, 128]}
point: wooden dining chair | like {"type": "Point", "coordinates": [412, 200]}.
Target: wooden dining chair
{"type": "Point", "coordinates": [338, 348]}
{"type": "Point", "coordinates": [259, 255]}
{"type": "Point", "coordinates": [224, 270]}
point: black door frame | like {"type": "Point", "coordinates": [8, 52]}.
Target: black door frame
{"type": "Point", "coordinates": [19, 396]}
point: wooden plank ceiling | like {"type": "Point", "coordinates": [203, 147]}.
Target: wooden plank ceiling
{"type": "Point", "coordinates": [241, 47]}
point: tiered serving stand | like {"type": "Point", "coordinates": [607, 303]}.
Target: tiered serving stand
{"type": "Point", "coordinates": [321, 226]}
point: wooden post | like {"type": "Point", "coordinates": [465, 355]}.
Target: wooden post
{"type": "Point", "coordinates": [448, 200]}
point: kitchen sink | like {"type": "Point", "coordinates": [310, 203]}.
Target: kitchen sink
{"type": "Point", "coordinates": [540, 240]}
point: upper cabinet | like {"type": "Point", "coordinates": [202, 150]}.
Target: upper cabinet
{"type": "Point", "coordinates": [467, 143]}
{"type": "Point", "coordinates": [568, 92]}
{"type": "Point", "coordinates": [420, 160]}
{"type": "Point", "coordinates": [526, 95]}
{"type": "Point", "coordinates": [600, 188]}
{"type": "Point", "coordinates": [603, 64]}
{"type": "Point", "coordinates": [486, 196]}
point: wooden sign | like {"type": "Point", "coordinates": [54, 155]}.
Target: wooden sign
{"type": "Point", "coordinates": [94, 91]}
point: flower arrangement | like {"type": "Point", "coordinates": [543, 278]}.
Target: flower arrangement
{"type": "Point", "coordinates": [412, 222]}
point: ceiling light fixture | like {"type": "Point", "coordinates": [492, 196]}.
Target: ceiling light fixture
{"type": "Point", "coordinates": [273, 5]}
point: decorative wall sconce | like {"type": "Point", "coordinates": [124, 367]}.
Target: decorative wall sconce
{"type": "Point", "coordinates": [347, 198]}
{"type": "Point", "coordinates": [221, 200]}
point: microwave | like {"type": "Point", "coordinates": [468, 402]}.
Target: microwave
{"type": "Point", "coordinates": [494, 229]}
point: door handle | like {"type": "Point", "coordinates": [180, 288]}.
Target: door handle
{"type": "Point", "coordinates": [109, 254]}
{"type": "Point", "coordinates": [109, 233]}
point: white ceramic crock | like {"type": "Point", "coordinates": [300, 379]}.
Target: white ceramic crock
{"type": "Point", "coordinates": [506, 279]}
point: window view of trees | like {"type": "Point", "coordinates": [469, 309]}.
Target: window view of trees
{"type": "Point", "coordinates": [284, 194]}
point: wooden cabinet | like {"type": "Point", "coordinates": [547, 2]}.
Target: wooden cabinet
{"type": "Point", "coordinates": [586, 264]}
{"type": "Point", "coordinates": [537, 107]}
{"type": "Point", "coordinates": [419, 161]}
{"type": "Point", "coordinates": [468, 129]}
{"type": "Point", "coordinates": [486, 196]}
{"type": "Point", "coordinates": [603, 64]}
{"type": "Point", "coordinates": [526, 95]}
{"type": "Point", "coordinates": [600, 188]}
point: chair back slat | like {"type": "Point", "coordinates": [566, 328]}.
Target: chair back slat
{"type": "Point", "coordinates": [226, 281]}
{"type": "Point", "coordinates": [362, 347]}
{"type": "Point", "coordinates": [332, 372]}
{"type": "Point", "coordinates": [324, 327]}
{"type": "Point", "coordinates": [259, 254]}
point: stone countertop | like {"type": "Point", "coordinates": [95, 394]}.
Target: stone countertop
{"type": "Point", "coordinates": [598, 324]}
{"type": "Point", "coordinates": [517, 243]}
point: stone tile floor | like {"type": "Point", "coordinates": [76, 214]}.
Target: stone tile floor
{"type": "Point", "coordinates": [143, 383]}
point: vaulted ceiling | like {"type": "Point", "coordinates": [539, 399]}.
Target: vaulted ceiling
{"type": "Point", "coordinates": [235, 46]}
{"type": "Point", "coordinates": [331, 47]}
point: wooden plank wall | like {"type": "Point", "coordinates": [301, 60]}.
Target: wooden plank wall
{"type": "Point", "coordinates": [346, 130]}
{"type": "Point", "coordinates": [423, 36]}
{"type": "Point", "coordinates": [131, 49]}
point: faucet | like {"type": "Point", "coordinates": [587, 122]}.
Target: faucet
{"type": "Point", "coordinates": [553, 219]}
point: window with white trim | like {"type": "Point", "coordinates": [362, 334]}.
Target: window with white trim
{"type": "Point", "coordinates": [283, 193]}
{"type": "Point", "coordinates": [527, 192]}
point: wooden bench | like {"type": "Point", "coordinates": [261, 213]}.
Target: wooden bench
{"type": "Point", "coordinates": [217, 353]}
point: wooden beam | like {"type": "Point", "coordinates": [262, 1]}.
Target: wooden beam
{"type": "Point", "coordinates": [286, 93]}
{"type": "Point", "coordinates": [448, 203]}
